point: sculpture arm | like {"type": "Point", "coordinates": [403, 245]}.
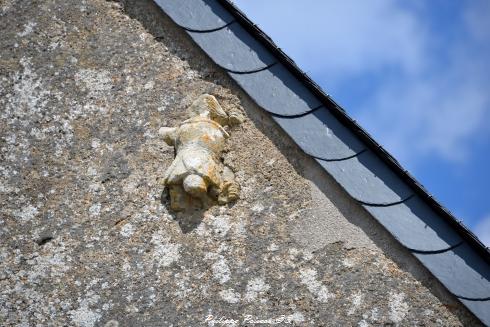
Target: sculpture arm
{"type": "Point", "coordinates": [169, 134]}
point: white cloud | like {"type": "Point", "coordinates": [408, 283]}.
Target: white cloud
{"type": "Point", "coordinates": [482, 230]}
{"type": "Point", "coordinates": [339, 37]}
{"type": "Point", "coordinates": [476, 18]}
{"type": "Point", "coordinates": [440, 111]}
{"type": "Point", "coordinates": [430, 96]}
{"type": "Point", "coordinates": [438, 115]}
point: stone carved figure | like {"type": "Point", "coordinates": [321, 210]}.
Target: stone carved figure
{"type": "Point", "coordinates": [197, 171]}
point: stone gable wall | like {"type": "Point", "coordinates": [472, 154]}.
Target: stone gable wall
{"type": "Point", "coordinates": [87, 237]}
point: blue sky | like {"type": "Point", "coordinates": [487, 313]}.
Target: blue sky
{"type": "Point", "coordinates": [415, 74]}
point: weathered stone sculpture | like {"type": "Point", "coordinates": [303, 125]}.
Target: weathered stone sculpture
{"type": "Point", "coordinates": [197, 171]}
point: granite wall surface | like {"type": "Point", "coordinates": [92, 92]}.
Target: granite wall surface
{"type": "Point", "coordinates": [86, 235]}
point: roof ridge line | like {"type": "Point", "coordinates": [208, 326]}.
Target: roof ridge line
{"type": "Point", "coordinates": [341, 114]}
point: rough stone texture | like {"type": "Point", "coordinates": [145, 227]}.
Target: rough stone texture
{"type": "Point", "coordinates": [86, 235]}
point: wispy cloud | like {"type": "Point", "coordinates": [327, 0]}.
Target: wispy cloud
{"type": "Point", "coordinates": [430, 93]}
{"type": "Point", "coordinates": [476, 17]}
{"type": "Point", "coordinates": [341, 38]}
{"type": "Point", "coordinates": [434, 114]}
{"type": "Point", "coordinates": [442, 108]}
{"type": "Point", "coordinates": [482, 230]}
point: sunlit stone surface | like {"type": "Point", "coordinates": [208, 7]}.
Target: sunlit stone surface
{"type": "Point", "coordinates": [87, 239]}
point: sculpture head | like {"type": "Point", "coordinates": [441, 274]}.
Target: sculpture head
{"type": "Point", "coordinates": [207, 106]}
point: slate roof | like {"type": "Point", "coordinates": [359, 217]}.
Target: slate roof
{"type": "Point", "coordinates": [323, 130]}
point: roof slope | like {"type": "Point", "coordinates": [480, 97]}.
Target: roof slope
{"type": "Point", "coordinates": [324, 131]}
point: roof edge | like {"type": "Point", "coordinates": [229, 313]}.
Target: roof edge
{"type": "Point", "coordinates": [341, 114]}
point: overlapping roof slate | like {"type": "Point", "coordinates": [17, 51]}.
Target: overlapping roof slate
{"type": "Point", "coordinates": [324, 131]}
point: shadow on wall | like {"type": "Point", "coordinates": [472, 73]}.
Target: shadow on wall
{"type": "Point", "coordinates": [162, 28]}
{"type": "Point", "coordinates": [188, 220]}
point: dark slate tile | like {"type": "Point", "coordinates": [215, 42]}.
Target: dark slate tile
{"type": "Point", "coordinates": [321, 135]}
{"type": "Point", "coordinates": [367, 179]}
{"type": "Point", "coordinates": [234, 49]}
{"type": "Point", "coordinates": [198, 15]}
{"type": "Point", "coordinates": [415, 225]}
{"type": "Point", "coordinates": [481, 309]}
{"type": "Point", "coordinates": [461, 270]}
{"type": "Point", "coordinates": [277, 91]}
